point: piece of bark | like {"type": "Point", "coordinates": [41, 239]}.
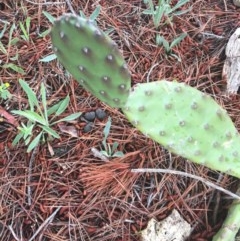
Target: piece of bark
{"type": "Point", "coordinates": [231, 68]}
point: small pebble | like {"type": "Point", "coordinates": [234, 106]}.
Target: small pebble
{"type": "Point", "coordinates": [88, 127]}
{"type": "Point", "coordinates": [90, 116]}
{"type": "Point", "coordinates": [101, 114]}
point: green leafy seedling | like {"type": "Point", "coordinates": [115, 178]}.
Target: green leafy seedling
{"type": "Point", "coordinates": [5, 50]}
{"type": "Point", "coordinates": [25, 133]}
{"type": "Point", "coordinates": [4, 92]}
{"type": "Point", "coordinates": [157, 13]}
{"type": "Point", "coordinates": [25, 28]}
{"type": "Point", "coordinates": [40, 116]}
{"type": "Point", "coordinates": [109, 151]}
{"type": "Point", "coordinates": [4, 29]}
{"type": "Point", "coordinates": [14, 67]}
{"type": "Point", "coordinates": [164, 9]}
{"type": "Point", "coordinates": [160, 40]}
{"type": "Point", "coordinates": [50, 17]}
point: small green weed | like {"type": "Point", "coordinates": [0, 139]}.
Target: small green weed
{"type": "Point", "coordinates": [25, 132]}
{"type": "Point", "coordinates": [39, 116]}
{"type": "Point", "coordinates": [160, 40]}
{"type": "Point", "coordinates": [25, 28]}
{"type": "Point", "coordinates": [164, 9]}
{"type": "Point", "coordinates": [5, 49]}
{"type": "Point", "coordinates": [2, 48]}
{"type": "Point", "coordinates": [4, 93]}
{"type": "Point", "coordinates": [109, 151]}
{"type": "Point", "coordinates": [14, 67]}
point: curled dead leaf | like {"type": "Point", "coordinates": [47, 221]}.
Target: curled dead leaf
{"type": "Point", "coordinates": [70, 130]}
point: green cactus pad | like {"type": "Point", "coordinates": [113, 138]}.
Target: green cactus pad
{"type": "Point", "coordinates": [92, 58]}
{"type": "Point", "coordinates": [186, 122]}
{"type": "Point", "coordinates": [231, 224]}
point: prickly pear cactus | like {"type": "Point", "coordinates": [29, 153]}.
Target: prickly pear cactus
{"type": "Point", "coordinates": [92, 58]}
{"type": "Point", "coordinates": [179, 117]}
{"type": "Point", "coordinates": [186, 122]}
{"type": "Point", "coordinates": [231, 223]}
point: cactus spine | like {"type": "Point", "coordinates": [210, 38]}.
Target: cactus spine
{"type": "Point", "coordinates": [179, 117]}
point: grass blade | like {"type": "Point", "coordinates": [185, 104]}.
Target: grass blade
{"type": "Point", "coordinates": [82, 14]}
{"type": "Point", "coordinates": [25, 34]}
{"type": "Point", "coordinates": [95, 13]}
{"type": "Point", "coordinates": [179, 4]}
{"type": "Point", "coordinates": [63, 106]}
{"type": "Point", "coordinates": [30, 115]}
{"type": "Point", "coordinates": [48, 58]}
{"type": "Point", "coordinates": [157, 17]}
{"type": "Point", "coordinates": [71, 117]}
{"type": "Point", "coordinates": [147, 12]}
{"type": "Point", "coordinates": [17, 138]}
{"type": "Point", "coordinates": [14, 67]}
{"type": "Point", "coordinates": [13, 27]}
{"type": "Point", "coordinates": [32, 98]}
{"type": "Point", "coordinates": [44, 101]}
{"type": "Point", "coordinates": [4, 29]}
{"type": "Point", "coordinates": [2, 48]}
{"type": "Point", "coordinates": [118, 154]}
{"type": "Point", "coordinates": [50, 131]}
{"type": "Point", "coordinates": [28, 22]}
{"type": "Point", "coordinates": [106, 132]}
{"type": "Point", "coordinates": [34, 142]}
{"type": "Point", "coordinates": [54, 108]}
{"type": "Point", "coordinates": [183, 11]}
{"type": "Point", "coordinates": [178, 40]}
{"type": "Point", "coordinates": [50, 18]}
{"type": "Point", "coordinates": [160, 40]}
{"type": "Point", "coordinates": [114, 146]}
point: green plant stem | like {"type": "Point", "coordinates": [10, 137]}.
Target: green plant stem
{"type": "Point", "coordinates": [231, 224]}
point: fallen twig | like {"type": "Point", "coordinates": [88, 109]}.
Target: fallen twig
{"type": "Point", "coordinates": [210, 184]}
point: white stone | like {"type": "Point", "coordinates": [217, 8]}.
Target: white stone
{"type": "Point", "coordinates": [174, 227]}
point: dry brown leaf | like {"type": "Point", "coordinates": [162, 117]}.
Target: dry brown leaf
{"type": "Point", "coordinates": [9, 118]}
{"type": "Point", "coordinates": [70, 130]}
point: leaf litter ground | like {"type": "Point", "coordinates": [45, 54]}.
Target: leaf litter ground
{"type": "Point", "coordinates": [74, 195]}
